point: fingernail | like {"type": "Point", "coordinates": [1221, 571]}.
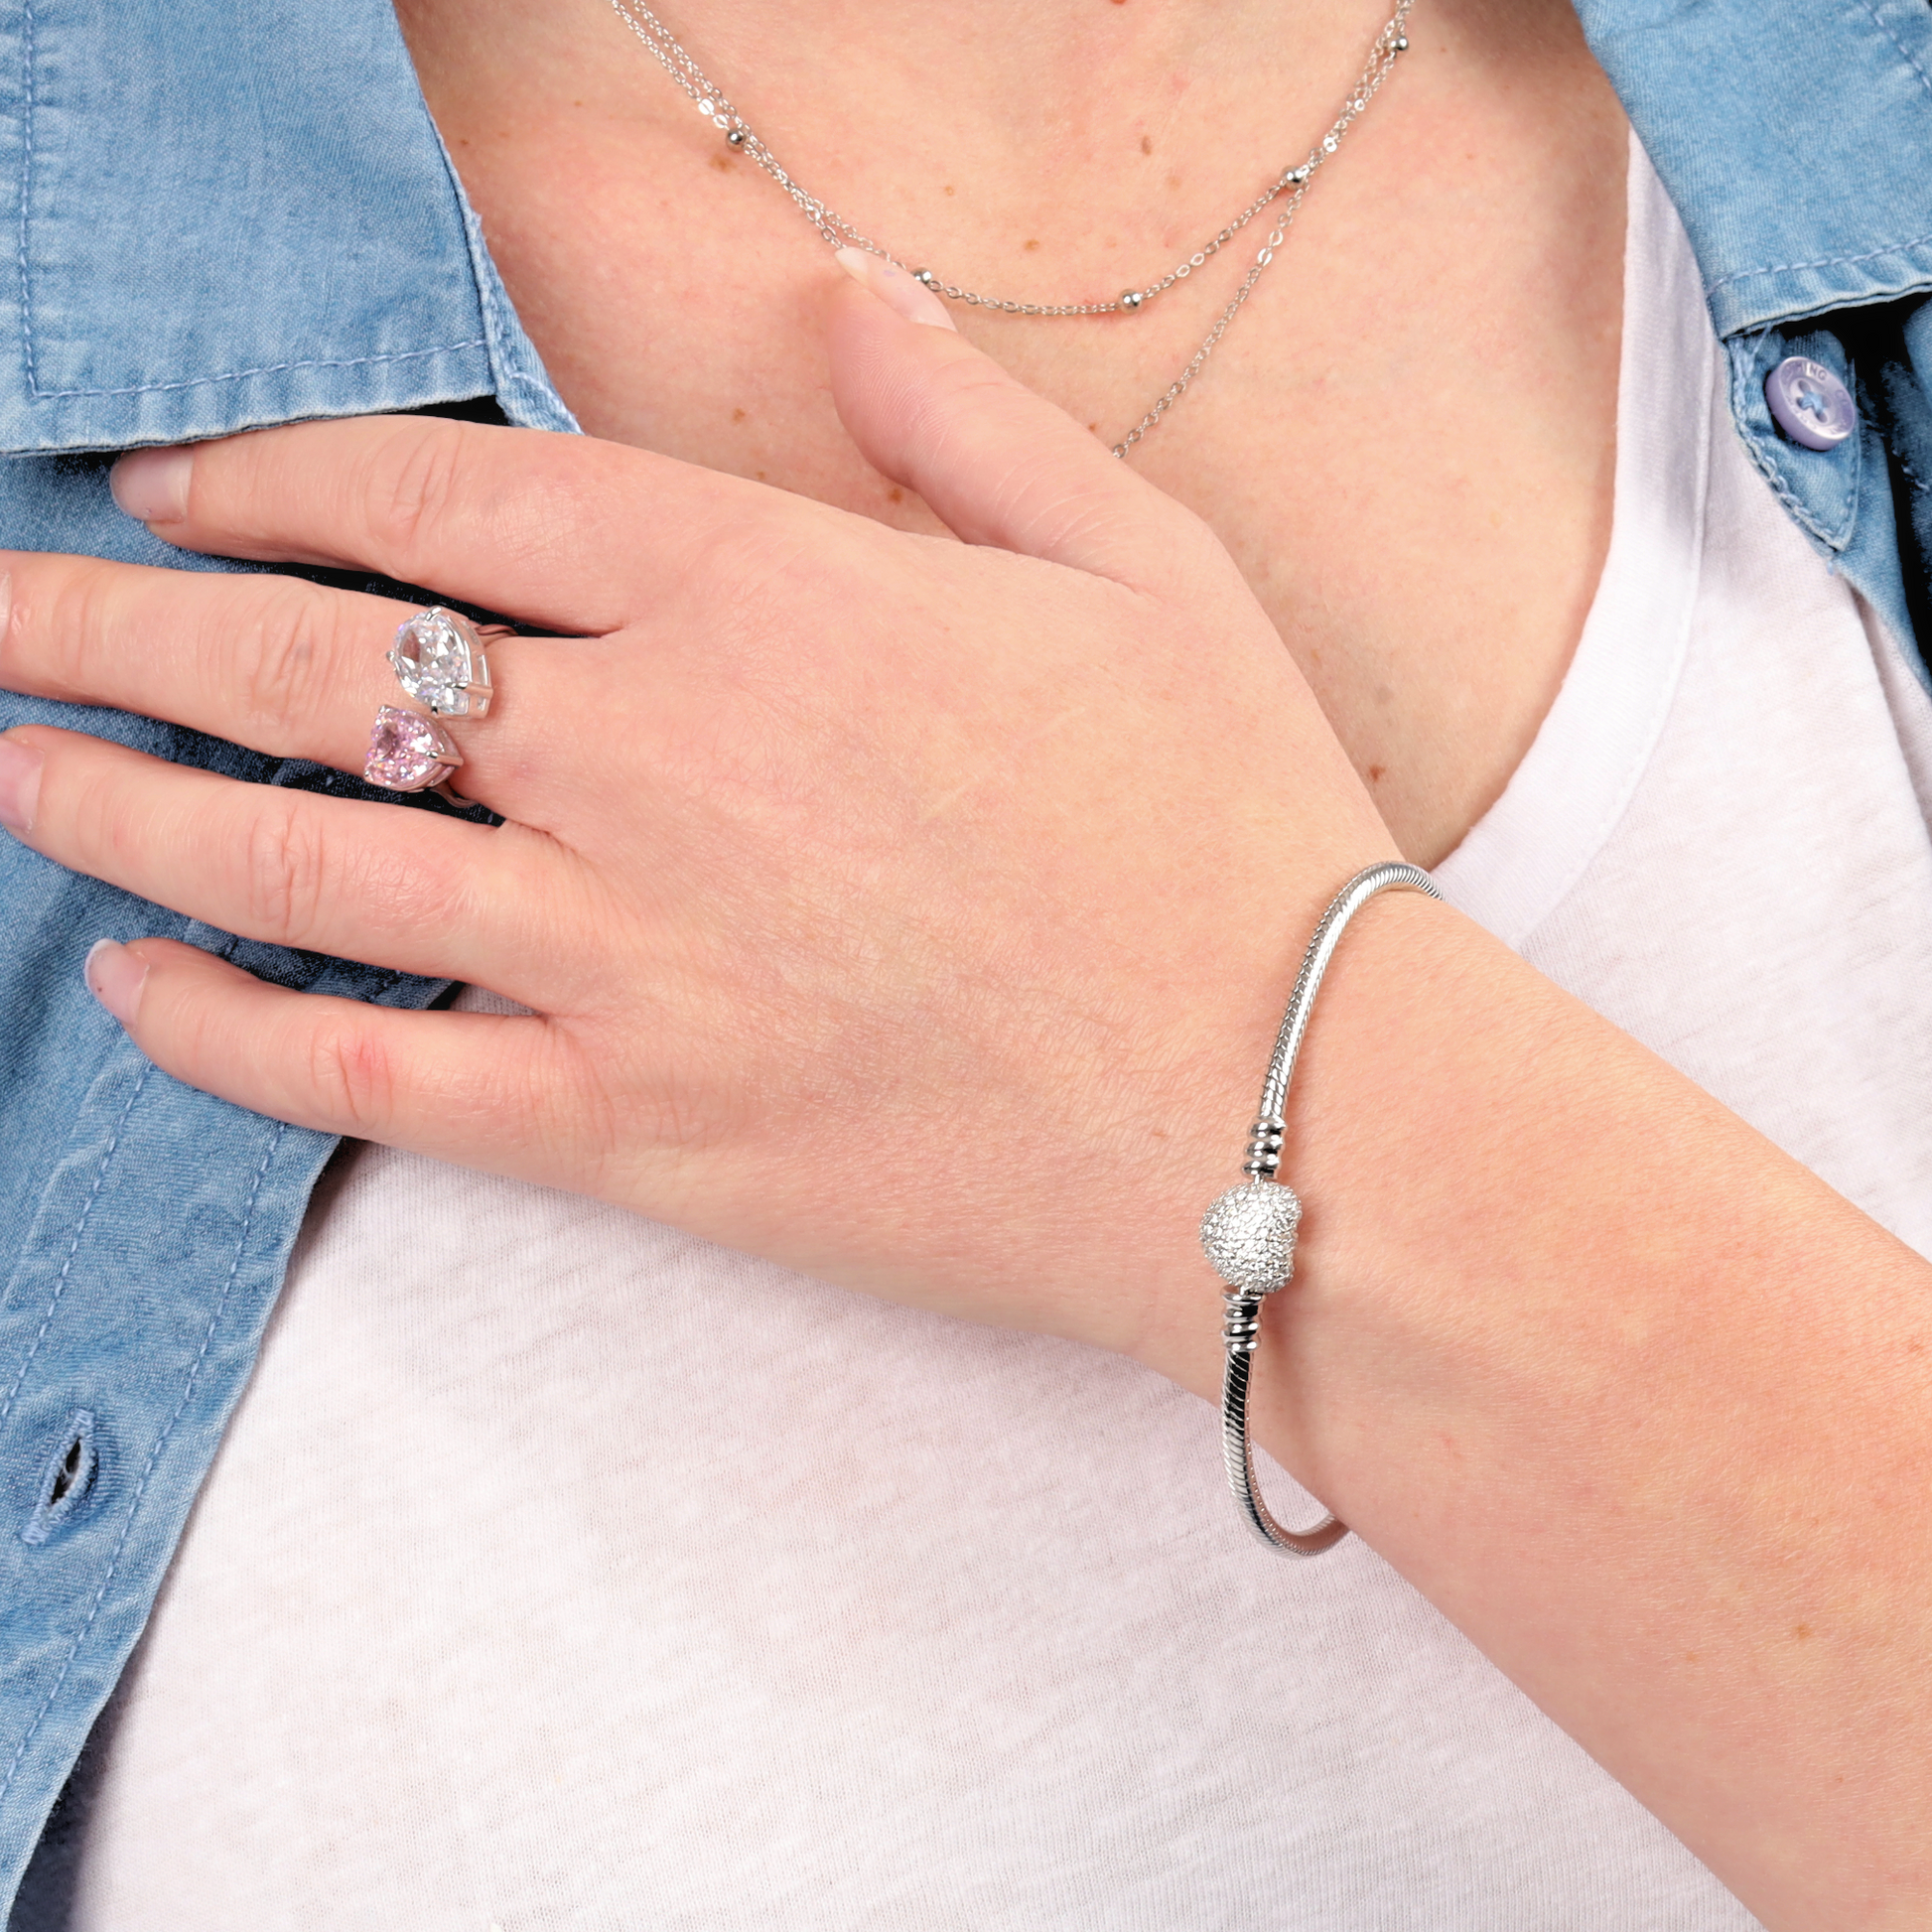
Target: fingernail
{"type": "Point", "coordinates": [116, 978]}
{"type": "Point", "coordinates": [894, 286]}
{"type": "Point", "coordinates": [20, 785]}
{"type": "Point", "coordinates": [151, 486]}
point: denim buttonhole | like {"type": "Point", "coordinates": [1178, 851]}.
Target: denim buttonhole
{"type": "Point", "coordinates": [68, 1476]}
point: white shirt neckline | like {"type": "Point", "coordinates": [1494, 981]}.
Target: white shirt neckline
{"type": "Point", "coordinates": [1525, 854]}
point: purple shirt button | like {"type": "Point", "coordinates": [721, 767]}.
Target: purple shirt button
{"type": "Point", "coordinates": [1812, 406]}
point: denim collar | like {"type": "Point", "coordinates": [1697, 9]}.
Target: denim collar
{"type": "Point", "coordinates": [1795, 140]}
{"type": "Point", "coordinates": [287, 238]}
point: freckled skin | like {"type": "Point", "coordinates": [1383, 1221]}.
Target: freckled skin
{"type": "Point", "coordinates": [1407, 438]}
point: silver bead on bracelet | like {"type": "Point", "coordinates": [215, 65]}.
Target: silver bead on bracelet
{"type": "Point", "coordinates": [1249, 1233]}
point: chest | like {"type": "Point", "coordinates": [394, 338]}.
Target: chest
{"type": "Point", "coordinates": [1406, 436]}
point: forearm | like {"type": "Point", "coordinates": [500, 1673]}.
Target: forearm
{"type": "Point", "coordinates": [1634, 1399]}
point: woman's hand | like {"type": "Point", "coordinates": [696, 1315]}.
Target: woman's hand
{"type": "Point", "coordinates": [916, 913]}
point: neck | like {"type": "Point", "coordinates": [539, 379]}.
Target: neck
{"type": "Point", "coordinates": [1145, 119]}
{"type": "Point", "coordinates": [1027, 61]}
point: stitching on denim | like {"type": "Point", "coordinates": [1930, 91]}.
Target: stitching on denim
{"type": "Point", "coordinates": [73, 1247]}
{"type": "Point", "coordinates": [1772, 475]}
{"type": "Point", "coordinates": [1871, 254]}
{"type": "Point", "coordinates": [485, 295]}
{"type": "Point", "coordinates": [1911, 475]}
{"type": "Point", "coordinates": [1823, 262]}
{"type": "Point", "coordinates": [506, 366]}
{"type": "Point", "coordinates": [1905, 52]}
{"type": "Point", "coordinates": [150, 388]}
{"type": "Point", "coordinates": [147, 1472]}
{"type": "Point", "coordinates": [1754, 447]}
{"type": "Point", "coordinates": [505, 369]}
{"type": "Point", "coordinates": [27, 195]}
{"type": "Point", "coordinates": [267, 368]}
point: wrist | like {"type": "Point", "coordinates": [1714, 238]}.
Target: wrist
{"type": "Point", "coordinates": [1381, 1070]}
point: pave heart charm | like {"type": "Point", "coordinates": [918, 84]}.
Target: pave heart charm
{"type": "Point", "coordinates": [438, 658]}
{"type": "Point", "coordinates": [407, 752]}
{"type": "Point", "coordinates": [1249, 1236]}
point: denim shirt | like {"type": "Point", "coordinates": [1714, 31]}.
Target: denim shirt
{"type": "Point", "coordinates": [233, 213]}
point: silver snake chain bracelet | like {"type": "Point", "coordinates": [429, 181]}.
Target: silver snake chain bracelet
{"type": "Point", "coordinates": [1249, 1233]}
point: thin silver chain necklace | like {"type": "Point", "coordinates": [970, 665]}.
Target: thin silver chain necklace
{"type": "Point", "coordinates": [1290, 187]}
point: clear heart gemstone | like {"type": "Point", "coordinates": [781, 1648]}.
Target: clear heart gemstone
{"type": "Point", "coordinates": [438, 658]}
{"type": "Point", "coordinates": [408, 752]}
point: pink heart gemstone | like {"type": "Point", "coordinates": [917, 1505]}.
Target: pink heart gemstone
{"type": "Point", "coordinates": [408, 752]}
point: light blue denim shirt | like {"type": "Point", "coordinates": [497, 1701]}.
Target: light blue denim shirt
{"type": "Point", "coordinates": [231, 213]}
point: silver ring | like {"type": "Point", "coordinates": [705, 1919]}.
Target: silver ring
{"type": "Point", "coordinates": [437, 658]}
{"type": "Point", "coordinates": [408, 751]}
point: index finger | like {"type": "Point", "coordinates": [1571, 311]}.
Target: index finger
{"type": "Point", "coordinates": [554, 529]}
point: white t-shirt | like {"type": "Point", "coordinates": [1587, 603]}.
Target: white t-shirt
{"type": "Point", "coordinates": [509, 1603]}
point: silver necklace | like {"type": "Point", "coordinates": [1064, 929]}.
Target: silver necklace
{"type": "Point", "coordinates": [1290, 187]}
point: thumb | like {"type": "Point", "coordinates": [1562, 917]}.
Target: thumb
{"type": "Point", "coordinates": [997, 463]}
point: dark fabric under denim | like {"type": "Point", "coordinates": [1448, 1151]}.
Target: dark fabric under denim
{"type": "Point", "coordinates": [230, 212]}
